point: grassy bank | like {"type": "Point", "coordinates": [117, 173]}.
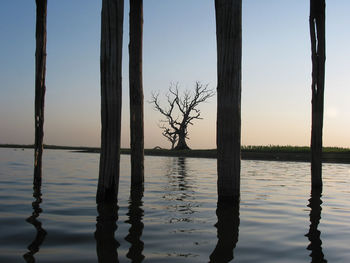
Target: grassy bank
{"type": "Point", "coordinates": [270, 152]}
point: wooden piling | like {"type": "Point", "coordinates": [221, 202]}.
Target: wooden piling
{"type": "Point", "coordinates": [136, 93]}
{"type": "Point", "coordinates": [318, 51]}
{"type": "Point", "coordinates": [111, 98]}
{"type": "Point", "coordinates": [229, 61]}
{"type": "Point", "coordinates": [40, 72]}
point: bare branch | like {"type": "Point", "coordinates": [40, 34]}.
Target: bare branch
{"type": "Point", "coordinates": [167, 113]}
{"type": "Point", "coordinates": [169, 134]}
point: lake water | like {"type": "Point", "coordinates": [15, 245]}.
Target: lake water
{"type": "Point", "coordinates": [177, 219]}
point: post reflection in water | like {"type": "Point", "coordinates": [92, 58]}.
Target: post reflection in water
{"type": "Point", "coordinates": [314, 235]}
{"type": "Point", "coordinates": [33, 219]}
{"type": "Point", "coordinates": [106, 244]}
{"type": "Point", "coordinates": [135, 216]}
{"type": "Point", "coordinates": [227, 232]}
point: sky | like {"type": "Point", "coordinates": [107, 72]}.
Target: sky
{"type": "Point", "coordinates": [179, 46]}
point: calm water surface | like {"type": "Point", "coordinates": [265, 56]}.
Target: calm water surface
{"type": "Point", "coordinates": [176, 219]}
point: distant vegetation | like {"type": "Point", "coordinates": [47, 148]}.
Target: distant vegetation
{"type": "Point", "coordinates": [245, 148]}
{"type": "Point", "coordinates": [288, 148]}
{"type": "Point", "coordinates": [249, 152]}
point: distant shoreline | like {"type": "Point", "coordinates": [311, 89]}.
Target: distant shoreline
{"type": "Point", "coordinates": [266, 153]}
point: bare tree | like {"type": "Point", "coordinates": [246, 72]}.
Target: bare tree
{"type": "Point", "coordinates": [318, 43]}
{"type": "Point", "coordinates": [181, 111]}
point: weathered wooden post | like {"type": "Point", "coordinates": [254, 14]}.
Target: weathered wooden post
{"type": "Point", "coordinates": [40, 71]}
{"type": "Point", "coordinates": [229, 59]}
{"type": "Point", "coordinates": [111, 98]}
{"type": "Point", "coordinates": [318, 49]}
{"type": "Point", "coordinates": [136, 92]}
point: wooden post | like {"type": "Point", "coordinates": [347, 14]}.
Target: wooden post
{"type": "Point", "coordinates": [40, 71]}
{"type": "Point", "coordinates": [229, 59]}
{"type": "Point", "coordinates": [318, 44]}
{"type": "Point", "coordinates": [136, 92]}
{"type": "Point", "coordinates": [111, 99]}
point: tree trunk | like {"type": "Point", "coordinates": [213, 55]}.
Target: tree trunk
{"type": "Point", "coordinates": [111, 95]}
{"type": "Point", "coordinates": [229, 54]}
{"type": "Point", "coordinates": [317, 33]}
{"type": "Point", "coordinates": [136, 92]}
{"type": "Point", "coordinates": [181, 144]}
{"type": "Point", "coordinates": [173, 145]}
{"type": "Point", "coordinates": [40, 70]}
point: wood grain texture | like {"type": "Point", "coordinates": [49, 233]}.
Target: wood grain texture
{"type": "Point", "coordinates": [111, 99]}
{"type": "Point", "coordinates": [136, 92]}
{"type": "Point", "coordinates": [40, 88]}
{"type": "Point", "coordinates": [318, 52]}
{"type": "Point", "coordinates": [229, 59]}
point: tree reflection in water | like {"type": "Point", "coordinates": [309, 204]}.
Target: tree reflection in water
{"type": "Point", "coordinates": [227, 232]}
{"type": "Point", "coordinates": [182, 174]}
{"type": "Point", "coordinates": [33, 219]}
{"type": "Point", "coordinates": [177, 175]}
{"type": "Point", "coordinates": [135, 216]}
{"type": "Point", "coordinates": [314, 235]}
{"type": "Point", "coordinates": [180, 192]}
{"type": "Point", "coordinates": [106, 244]}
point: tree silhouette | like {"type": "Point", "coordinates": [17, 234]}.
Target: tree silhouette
{"type": "Point", "coordinates": [182, 110]}
{"type": "Point", "coordinates": [170, 135]}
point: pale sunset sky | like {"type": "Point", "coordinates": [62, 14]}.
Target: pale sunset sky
{"type": "Point", "coordinates": [179, 46]}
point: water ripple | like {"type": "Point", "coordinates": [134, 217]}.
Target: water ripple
{"type": "Point", "coordinates": [177, 218]}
